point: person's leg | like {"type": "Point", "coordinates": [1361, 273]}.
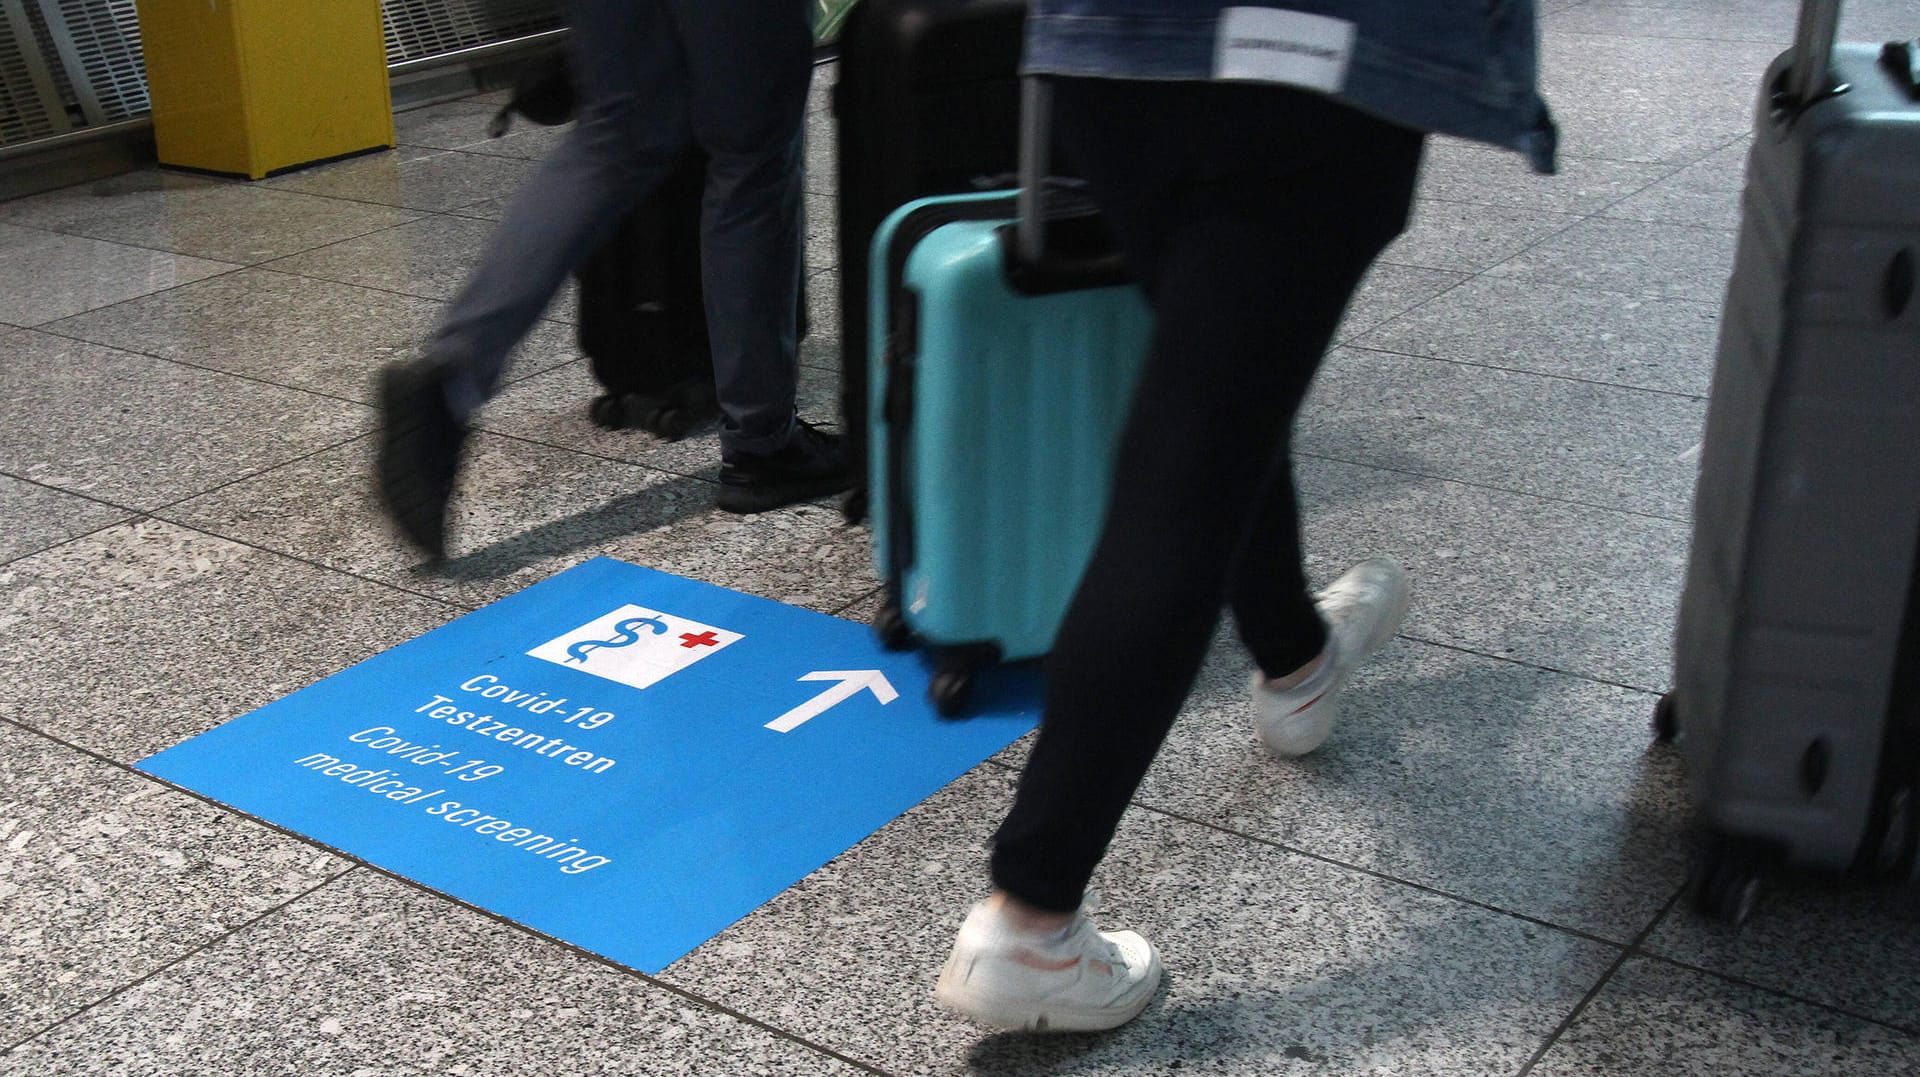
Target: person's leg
{"type": "Point", "coordinates": [1249, 250]}
{"type": "Point", "coordinates": [632, 123]}
{"type": "Point", "coordinates": [630, 128]}
{"type": "Point", "coordinates": [751, 62]}
{"type": "Point", "coordinates": [1267, 586]}
{"type": "Point", "coordinates": [1263, 248]}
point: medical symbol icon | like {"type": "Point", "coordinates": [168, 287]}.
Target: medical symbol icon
{"type": "Point", "coordinates": [629, 634]}
{"type": "Point", "coordinates": [635, 646]}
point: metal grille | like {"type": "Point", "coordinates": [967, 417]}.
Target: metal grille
{"type": "Point", "coordinates": [419, 28]}
{"type": "Point", "coordinates": [99, 45]}
{"type": "Point", "coordinates": [30, 105]}
{"type": "Point", "coordinates": [38, 20]}
{"type": "Point", "coordinates": [64, 62]}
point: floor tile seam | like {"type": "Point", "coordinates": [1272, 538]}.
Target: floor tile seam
{"type": "Point", "coordinates": [1537, 666]}
{"type": "Point", "coordinates": [167, 966]}
{"type": "Point", "coordinates": [1754, 985]}
{"type": "Point", "coordinates": [423, 210]}
{"type": "Point", "coordinates": [1580, 1008]}
{"type": "Point", "coordinates": [521, 929]}
{"type": "Point", "coordinates": [877, 589]}
{"type": "Point", "coordinates": [481, 141]}
{"type": "Point", "coordinates": [236, 263]}
{"type": "Point", "coordinates": [470, 153]}
{"type": "Point", "coordinates": [133, 516]}
{"type": "Point", "coordinates": [267, 267]}
{"type": "Point", "coordinates": [1492, 488]}
{"type": "Point", "coordinates": [1600, 215]}
{"type": "Point", "coordinates": [268, 264]}
{"type": "Point", "coordinates": [1527, 207]}
{"type": "Point", "coordinates": [334, 570]}
{"type": "Point", "coordinates": [1508, 660]}
{"type": "Point", "coordinates": [1470, 276]}
{"type": "Point", "coordinates": [356, 863]}
{"type": "Point", "coordinates": [1579, 219]}
{"type": "Point", "coordinates": [49, 330]}
{"type": "Point", "coordinates": [101, 501]}
{"type": "Point", "coordinates": [1376, 873]}
{"type": "Point", "coordinates": [657, 469]}
{"type": "Point", "coordinates": [157, 510]}
{"type": "Point", "coordinates": [1672, 169]}
{"type": "Point", "coordinates": [164, 514]}
{"type": "Point", "coordinates": [1575, 221]}
{"type": "Point", "coordinates": [134, 770]}
{"type": "Point", "coordinates": [256, 379]}
{"type": "Point", "coordinates": [583, 360]}
{"type": "Point", "coordinates": [1621, 36]}
{"type": "Point", "coordinates": [262, 472]}
{"type": "Point", "coordinates": [469, 103]}
{"type": "Point", "coordinates": [481, 427]}
{"type": "Point", "coordinates": [45, 326]}
{"type": "Point", "coordinates": [1678, 37]}
{"type": "Point", "coordinates": [1696, 162]}
{"type": "Point", "coordinates": [1596, 382]}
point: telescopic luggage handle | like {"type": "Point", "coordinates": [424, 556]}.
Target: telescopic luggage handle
{"type": "Point", "coordinates": [1036, 140]}
{"type": "Point", "coordinates": [1058, 241]}
{"type": "Point", "coordinates": [1811, 76]}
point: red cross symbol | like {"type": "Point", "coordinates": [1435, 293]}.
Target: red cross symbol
{"type": "Point", "coordinates": [704, 639]}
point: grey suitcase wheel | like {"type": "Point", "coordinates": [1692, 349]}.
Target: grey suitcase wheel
{"type": "Point", "coordinates": [951, 689]}
{"type": "Point", "coordinates": [891, 626]}
{"type": "Point", "coordinates": [1729, 885]}
{"type": "Point", "coordinates": [1666, 720]}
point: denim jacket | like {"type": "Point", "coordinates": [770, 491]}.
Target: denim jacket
{"type": "Point", "coordinates": [1457, 67]}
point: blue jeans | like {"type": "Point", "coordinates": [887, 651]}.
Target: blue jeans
{"type": "Point", "coordinates": [653, 78]}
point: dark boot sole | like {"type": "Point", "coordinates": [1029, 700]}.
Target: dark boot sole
{"type": "Point", "coordinates": [414, 500]}
{"type": "Point", "coordinates": [746, 500]}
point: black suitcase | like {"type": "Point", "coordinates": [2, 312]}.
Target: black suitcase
{"type": "Point", "coordinates": [643, 321]}
{"type": "Point", "coordinates": [1796, 690]}
{"type": "Point", "coordinates": [927, 102]}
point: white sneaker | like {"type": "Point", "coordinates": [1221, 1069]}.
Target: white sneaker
{"type": "Point", "coordinates": [1363, 610]}
{"type": "Point", "coordinates": [1081, 980]}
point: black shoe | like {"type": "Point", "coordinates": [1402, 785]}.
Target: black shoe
{"type": "Point", "coordinates": [813, 464]}
{"type": "Point", "coordinates": [420, 443]}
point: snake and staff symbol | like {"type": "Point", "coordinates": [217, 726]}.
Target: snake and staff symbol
{"type": "Point", "coordinates": [627, 633]}
{"type": "Point", "coordinates": [635, 645]}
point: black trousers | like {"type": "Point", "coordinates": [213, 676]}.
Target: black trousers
{"type": "Point", "coordinates": [1249, 214]}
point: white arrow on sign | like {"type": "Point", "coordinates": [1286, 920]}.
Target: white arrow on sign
{"type": "Point", "coordinates": [851, 682]}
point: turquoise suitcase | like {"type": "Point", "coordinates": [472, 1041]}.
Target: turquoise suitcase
{"type": "Point", "coordinates": [998, 386]}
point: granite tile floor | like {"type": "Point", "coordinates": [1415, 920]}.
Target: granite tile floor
{"type": "Point", "coordinates": [1481, 873]}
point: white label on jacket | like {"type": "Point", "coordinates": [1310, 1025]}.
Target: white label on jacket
{"type": "Point", "coordinates": [1263, 44]}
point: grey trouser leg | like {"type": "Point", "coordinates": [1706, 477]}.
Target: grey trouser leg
{"type": "Point", "coordinates": [630, 76]}
{"type": "Point", "coordinates": [750, 63]}
{"type": "Point", "coordinates": [653, 77]}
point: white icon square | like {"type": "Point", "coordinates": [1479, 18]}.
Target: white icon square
{"type": "Point", "coordinates": [635, 646]}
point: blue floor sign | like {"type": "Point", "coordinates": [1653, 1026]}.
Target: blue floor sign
{"type": "Point", "coordinates": [622, 759]}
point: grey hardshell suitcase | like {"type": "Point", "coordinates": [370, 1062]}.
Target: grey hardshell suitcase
{"type": "Point", "coordinates": [1796, 693]}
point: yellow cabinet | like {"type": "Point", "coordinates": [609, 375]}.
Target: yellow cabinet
{"type": "Point", "coordinates": [253, 87]}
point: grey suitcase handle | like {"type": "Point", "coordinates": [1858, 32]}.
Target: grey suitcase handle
{"type": "Point", "coordinates": [1036, 140]}
{"type": "Point", "coordinates": [1058, 242]}
{"type": "Point", "coordinates": [1812, 74]}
